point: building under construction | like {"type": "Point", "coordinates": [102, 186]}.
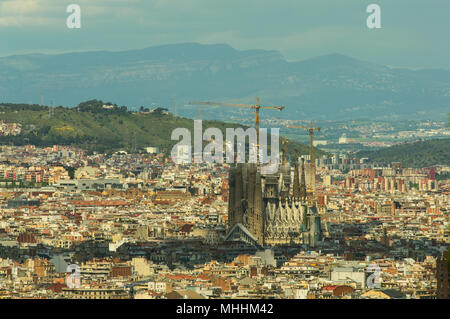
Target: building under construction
{"type": "Point", "coordinates": [270, 210]}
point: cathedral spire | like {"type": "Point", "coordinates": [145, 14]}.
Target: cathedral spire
{"type": "Point", "coordinates": [303, 182]}
{"type": "Point", "coordinates": [296, 186]}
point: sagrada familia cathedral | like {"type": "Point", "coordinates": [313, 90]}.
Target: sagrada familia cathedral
{"type": "Point", "coordinates": [270, 210]}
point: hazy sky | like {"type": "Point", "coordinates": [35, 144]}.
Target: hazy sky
{"type": "Point", "coordinates": [414, 33]}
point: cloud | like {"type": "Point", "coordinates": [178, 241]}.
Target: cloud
{"type": "Point", "coordinates": [24, 13]}
{"type": "Point", "coordinates": [50, 13]}
{"type": "Point", "coordinates": [19, 7]}
{"type": "Point", "coordinates": [412, 29]}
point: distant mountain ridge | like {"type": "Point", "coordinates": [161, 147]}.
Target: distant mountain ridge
{"type": "Point", "coordinates": [328, 87]}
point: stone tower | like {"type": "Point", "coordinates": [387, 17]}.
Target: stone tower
{"type": "Point", "coordinates": [262, 210]}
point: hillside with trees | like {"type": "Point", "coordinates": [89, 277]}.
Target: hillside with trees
{"type": "Point", "coordinates": [417, 154]}
{"type": "Point", "coordinates": [102, 127]}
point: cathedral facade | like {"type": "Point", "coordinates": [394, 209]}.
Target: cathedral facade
{"type": "Point", "coordinates": [271, 209]}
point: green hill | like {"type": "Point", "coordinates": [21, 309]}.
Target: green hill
{"type": "Point", "coordinates": [417, 154]}
{"type": "Point", "coordinates": [94, 128]}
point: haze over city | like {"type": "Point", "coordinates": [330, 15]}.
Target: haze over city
{"type": "Point", "coordinates": [134, 145]}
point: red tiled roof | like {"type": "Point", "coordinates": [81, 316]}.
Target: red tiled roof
{"type": "Point", "coordinates": [179, 276]}
{"type": "Point", "coordinates": [330, 287]}
{"type": "Point", "coordinates": [99, 203]}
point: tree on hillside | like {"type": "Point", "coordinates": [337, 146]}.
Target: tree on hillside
{"type": "Point", "coordinates": [93, 106]}
{"type": "Point", "coordinates": [160, 110]}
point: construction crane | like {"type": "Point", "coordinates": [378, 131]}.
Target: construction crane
{"type": "Point", "coordinates": [256, 107]}
{"type": "Point", "coordinates": [310, 130]}
{"type": "Point", "coordinates": [284, 151]}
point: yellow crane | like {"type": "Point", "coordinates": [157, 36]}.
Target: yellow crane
{"type": "Point", "coordinates": [256, 107]}
{"type": "Point", "coordinates": [310, 130]}
{"type": "Point", "coordinates": [284, 151]}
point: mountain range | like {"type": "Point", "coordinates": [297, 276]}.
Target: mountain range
{"type": "Point", "coordinates": [327, 87]}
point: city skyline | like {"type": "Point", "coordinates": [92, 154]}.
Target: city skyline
{"type": "Point", "coordinates": [256, 154]}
